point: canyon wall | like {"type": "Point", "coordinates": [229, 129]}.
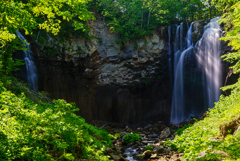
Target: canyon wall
{"type": "Point", "coordinates": [126, 83]}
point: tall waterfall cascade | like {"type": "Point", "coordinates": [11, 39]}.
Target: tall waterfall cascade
{"type": "Point", "coordinates": [197, 72]}
{"type": "Point", "coordinates": [170, 55]}
{"type": "Point", "coordinates": [32, 78]}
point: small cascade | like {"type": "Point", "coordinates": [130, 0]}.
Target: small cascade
{"type": "Point", "coordinates": [181, 37]}
{"type": "Point", "coordinates": [32, 78]}
{"type": "Point", "coordinates": [170, 56]}
{"type": "Point", "coordinates": [209, 60]}
{"type": "Point", "coordinates": [178, 103]}
{"type": "Point", "coordinates": [176, 47]}
{"type": "Point", "coordinates": [197, 73]}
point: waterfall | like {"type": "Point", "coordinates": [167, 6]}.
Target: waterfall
{"type": "Point", "coordinates": [197, 73]}
{"type": "Point", "coordinates": [181, 37]}
{"type": "Point", "coordinates": [170, 56]}
{"type": "Point", "coordinates": [178, 105]}
{"type": "Point", "coordinates": [32, 78]}
{"type": "Point", "coordinates": [209, 60]}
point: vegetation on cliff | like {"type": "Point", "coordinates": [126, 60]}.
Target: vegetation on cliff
{"type": "Point", "coordinates": [135, 18]}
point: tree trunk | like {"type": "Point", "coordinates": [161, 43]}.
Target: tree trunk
{"type": "Point", "coordinates": [148, 18]}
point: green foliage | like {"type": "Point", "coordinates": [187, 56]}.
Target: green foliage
{"type": "Point", "coordinates": [131, 138]}
{"type": "Point", "coordinates": [169, 143]}
{"type": "Point", "coordinates": [48, 15]}
{"type": "Point", "coordinates": [45, 131]}
{"type": "Point", "coordinates": [135, 18]}
{"type": "Point", "coordinates": [117, 135]}
{"type": "Point", "coordinates": [204, 136]}
{"type": "Point", "coordinates": [232, 20]}
{"type": "Point", "coordinates": [148, 147]}
{"type": "Point", "coordinates": [180, 131]}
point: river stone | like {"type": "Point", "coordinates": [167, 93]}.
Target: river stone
{"type": "Point", "coordinates": [173, 136]}
{"type": "Point", "coordinates": [115, 157]}
{"type": "Point", "coordinates": [168, 150]}
{"type": "Point", "coordinates": [159, 149]}
{"type": "Point", "coordinates": [165, 133]}
{"type": "Point", "coordinates": [153, 156]}
{"type": "Point", "coordinates": [119, 149]}
{"type": "Point", "coordinates": [109, 150]}
{"type": "Point", "coordinates": [87, 160]}
{"type": "Point", "coordinates": [148, 126]}
{"type": "Point", "coordinates": [162, 159]}
{"type": "Point", "coordinates": [146, 154]}
{"type": "Point", "coordinates": [123, 159]}
{"type": "Point", "coordinates": [152, 136]}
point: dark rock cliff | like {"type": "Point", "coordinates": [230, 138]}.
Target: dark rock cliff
{"type": "Point", "coordinates": [107, 82]}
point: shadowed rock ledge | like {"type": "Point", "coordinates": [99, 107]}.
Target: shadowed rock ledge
{"type": "Point", "coordinates": [128, 84]}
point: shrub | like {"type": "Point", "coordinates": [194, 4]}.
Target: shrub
{"type": "Point", "coordinates": [148, 147]}
{"type": "Point", "coordinates": [45, 131]}
{"type": "Point", "coordinates": [204, 137]}
{"type": "Point", "coordinates": [131, 138]}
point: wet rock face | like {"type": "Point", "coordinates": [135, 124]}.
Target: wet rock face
{"type": "Point", "coordinates": [127, 103]}
{"type": "Point", "coordinates": [198, 29]}
{"type": "Point", "coordinates": [127, 84]}
{"type": "Point", "coordinates": [107, 82]}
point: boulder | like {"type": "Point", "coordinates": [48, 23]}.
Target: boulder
{"type": "Point", "coordinates": [165, 133]}
{"type": "Point", "coordinates": [115, 157]}
{"type": "Point", "coordinates": [146, 154]}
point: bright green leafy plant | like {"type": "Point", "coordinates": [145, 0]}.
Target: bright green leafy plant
{"type": "Point", "coordinates": [148, 147]}
{"type": "Point", "coordinates": [45, 131]}
{"type": "Point", "coordinates": [131, 138]}
{"type": "Point", "coordinates": [203, 140]}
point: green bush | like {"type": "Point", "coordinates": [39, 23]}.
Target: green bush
{"type": "Point", "coordinates": [169, 143]}
{"type": "Point", "coordinates": [117, 136]}
{"type": "Point", "coordinates": [204, 136]}
{"type": "Point", "coordinates": [45, 131]}
{"type": "Point", "coordinates": [148, 147]}
{"type": "Point", "coordinates": [131, 138]}
{"type": "Point", "coordinates": [180, 130]}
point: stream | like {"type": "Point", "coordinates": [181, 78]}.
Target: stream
{"type": "Point", "coordinates": [153, 136]}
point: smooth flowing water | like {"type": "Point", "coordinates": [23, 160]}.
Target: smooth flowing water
{"type": "Point", "coordinates": [209, 60]}
{"type": "Point", "coordinates": [170, 56]}
{"type": "Point", "coordinates": [178, 103]}
{"type": "Point", "coordinates": [197, 73]}
{"type": "Point", "coordinates": [32, 78]}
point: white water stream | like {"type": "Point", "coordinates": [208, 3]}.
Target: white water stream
{"type": "Point", "coordinates": [197, 72]}
{"type": "Point", "coordinates": [32, 78]}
